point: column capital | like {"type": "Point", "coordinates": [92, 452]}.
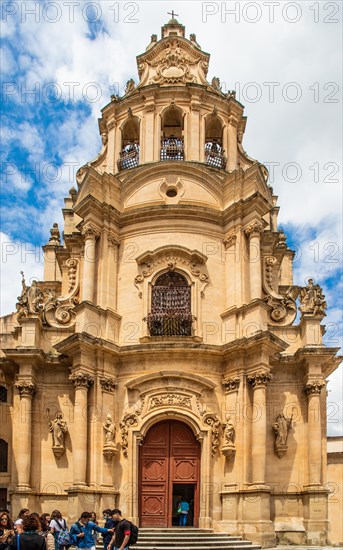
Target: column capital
{"type": "Point", "coordinates": [81, 379]}
{"type": "Point", "coordinates": [229, 240]}
{"type": "Point", "coordinates": [314, 387]}
{"type": "Point", "coordinates": [259, 379]}
{"type": "Point", "coordinates": [253, 229]}
{"type": "Point", "coordinates": [108, 384]}
{"type": "Point", "coordinates": [231, 384]}
{"type": "Point", "coordinates": [90, 232]}
{"type": "Point", "coordinates": [26, 388]}
{"type": "Point", "coordinates": [112, 241]}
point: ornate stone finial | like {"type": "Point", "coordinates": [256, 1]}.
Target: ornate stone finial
{"type": "Point", "coordinates": [58, 428]}
{"type": "Point", "coordinates": [255, 228]}
{"type": "Point", "coordinates": [281, 240]}
{"type": "Point", "coordinates": [312, 300]}
{"type": "Point", "coordinates": [26, 388]}
{"type": "Point", "coordinates": [216, 84]}
{"type": "Point", "coordinates": [55, 235]}
{"type": "Point", "coordinates": [108, 384]}
{"type": "Point", "coordinates": [231, 384]}
{"type": "Point", "coordinates": [314, 387]}
{"type": "Point", "coordinates": [281, 428]}
{"type": "Point", "coordinates": [154, 38]}
{"type": "Point", "coordinates": [192, 37]}
{"type": "Point", "coordinates": [228, 449]}
{"type": "Point", "coordinates": [259, 379]}
{"type": "Point", "coordinates": [129, 86]}
{"type": "Point", "coordinates": [81, 379]}
{"type": "Point", "coordinates": [109, 448]}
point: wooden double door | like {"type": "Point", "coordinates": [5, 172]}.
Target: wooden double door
{"type": "Point", "coordinates": [169, 467]}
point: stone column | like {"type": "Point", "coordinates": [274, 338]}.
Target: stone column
{"type": "Point", "coordinates": [230, 271]}
{"type": "Point", "coordinates": [193, 150]}
{"type": "Point", "coordinates": [231, 151]}
{"type": "Point", "coordinates": [253, 232]}
{"type": "Point", "coordinates": [149, 154]}
{"type": "Point", "coordinates": [112, 273]}
{"type": "Point", "coordinates": [81, 381]}
{"type": "Point", "coordinates": [90, 234]}
{"type": "Point", "coordinates": [259, 381]}
{"type": "Point", "coordinates": [314, 427]}
{"type": "Point", "coordinates": [24, 435]}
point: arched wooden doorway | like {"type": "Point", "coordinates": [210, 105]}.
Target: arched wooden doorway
{"type": "Point", "coordinates": [169, 468]}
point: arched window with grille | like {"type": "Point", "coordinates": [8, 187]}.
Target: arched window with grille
{"type": "Point", "coordinates": [3, 394]}
{"type": "Point", "coordinates": [171, 312]}
{"type": "Point", "coordinates": [3, 455]}
{"type": "Point", "coordinates": [172, 144]}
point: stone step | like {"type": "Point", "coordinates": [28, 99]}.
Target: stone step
{"type": "Point", "coordinates": [185, 546]}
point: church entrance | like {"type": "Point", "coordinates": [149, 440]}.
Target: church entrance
{"type": "Point", "coordinates": [169, 468]}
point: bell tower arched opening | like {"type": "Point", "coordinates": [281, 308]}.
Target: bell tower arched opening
{"type": "Point", "coordinates": [169, 471]}
{"type": "Point", "coordinates": [129, 155]}
{"type": "Point", "coordinates": [172, 143]}
{"type": "Point", "coordinates": [214, 153]}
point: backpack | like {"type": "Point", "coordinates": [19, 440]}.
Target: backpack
{"type": "Point", "coordinates": [134, 535]}
{"type": "Point", "coordinates": [63, 537]}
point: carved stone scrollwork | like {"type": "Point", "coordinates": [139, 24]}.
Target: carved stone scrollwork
{"type": "Point", "coordinates": [26, 388]}
{"type": "Point", "coordinates": [211, 419]}
{"type": "Point", "coordinates": [231, 384]}
{"type": "Point", "coordinates": [81, 380]}
{"type": "Point", "coordinates": [129, 420]}
{"type": "Point", "coordinates": [170, 399]}
{"type": "Point", "coordinates": [60, 311]}
{"type": "Point", "coordinates": [312, 300]}
{"type": "Point", "coordinates": [229, 449]}
{"type": "Point", "coordinates": [314, 387]}
{"type": "Point", "coordinates": [283, 309]}
{"type": "Point", "coordinates": [108, 384]}
{"type": "Point", "coordinates": [259, 379]}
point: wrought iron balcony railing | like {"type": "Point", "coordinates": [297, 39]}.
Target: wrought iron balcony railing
{"type": "Point", "coordinates": [170, 324]}
{"type": "Point", "coordinates": [215, 156]}
{"type": "Point", "coordinates": [172, 149]}
{"type": "Point", "coordinates": [129, 157]}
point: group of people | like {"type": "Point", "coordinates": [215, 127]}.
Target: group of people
{"type": "Point", "coordinates": [31, 531]}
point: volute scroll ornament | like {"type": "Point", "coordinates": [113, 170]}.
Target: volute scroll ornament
{"type": "Point", "coordinates": [59, 311]}
{"type": "Point", "coordinates": [282, 308]}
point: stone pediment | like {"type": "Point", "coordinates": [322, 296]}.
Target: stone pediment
{"type": "Point", "coordinates": [173, 60]}
{"type": "Point", "coordinates": [172, 380]}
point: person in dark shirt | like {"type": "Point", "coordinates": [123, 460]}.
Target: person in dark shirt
{"type": "Point", "coordinates": [29, 539]}
{"type": "Point", "coordinates": [110, 523]}
{"type": "Point", "coordinates": [122, 534]}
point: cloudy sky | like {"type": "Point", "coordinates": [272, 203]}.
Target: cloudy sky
{"type": "Point", "coordinates": [62, 60]}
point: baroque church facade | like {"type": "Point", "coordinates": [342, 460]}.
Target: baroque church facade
{"type": "Point", "coordinates": [167, 352]}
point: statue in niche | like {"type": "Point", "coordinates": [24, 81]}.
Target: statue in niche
{"type": "Point", "coordinates": [228, 449]}
{"type": "Point", "coordinates": [229, 432]}
{"type": "Point", "coordinates": [109, 448]}
{"type": "Point", "coordinates": [281, 428]}
{"type": "Point", "coordinates": [58, 428]}
{"type": "Point", "coordinates": [110, 430]}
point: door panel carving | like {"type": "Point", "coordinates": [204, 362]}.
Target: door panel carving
{"type": "Point", "coordinates": [169, 455]}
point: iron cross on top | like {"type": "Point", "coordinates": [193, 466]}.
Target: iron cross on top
{"type": "Point", "coordinates": [172, 13]}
